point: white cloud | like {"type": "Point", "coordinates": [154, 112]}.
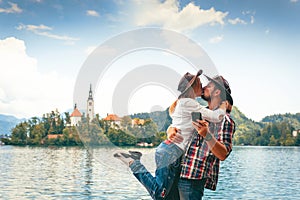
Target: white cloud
{"type": "Point", "coordinates": [92, 13]}
{"type": "Point", "coordinates": [168, 15]}
{"type": "Point", "coordinates": [24, 91]}
{"type": "Point", "coordinates": [251, 13]}
{"type": "Point", "coordinates": [236, 21]}
{"type": "Point", "coordinates": [33, 27]}
{"type": "Point", "coordinates": [216, 39]}
{"type": "Point", "coordinates": [44, 31]}
{"type": "Point", "coordinates": [248, 12]}
{"type": "Point", "coordinates": [13, 9]}
{"type": "Point", "coordinates": [294, 1]}
{"type": "Point", "coordinates": [252, 19]}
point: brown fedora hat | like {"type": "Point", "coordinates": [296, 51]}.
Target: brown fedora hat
{"type": "Point", "coordinates": [222, 83]}
{"type": "Point", "coordinates": [187, 81]}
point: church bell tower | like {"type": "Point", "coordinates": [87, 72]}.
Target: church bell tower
{"type": "Point", "coordinates": [90, 105]}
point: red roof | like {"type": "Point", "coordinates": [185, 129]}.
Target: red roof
{"type": "Point", "coordinates": [76, 113]}
{"type": "Point", "coordinates": [112, 117]}
{"type": "Point", "coordinates": [54, 136]}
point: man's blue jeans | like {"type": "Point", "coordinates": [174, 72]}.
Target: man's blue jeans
{"type": "Point", "coordinates": [167, 158]}
{"type": "Point", "coordinates": [191, 189]}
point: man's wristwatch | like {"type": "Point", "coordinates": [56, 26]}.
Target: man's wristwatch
{"type": "Point", "coordinates": [208, 137]}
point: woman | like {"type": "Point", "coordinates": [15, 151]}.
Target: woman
{"type": "Point", "coordinates": [167, 155]}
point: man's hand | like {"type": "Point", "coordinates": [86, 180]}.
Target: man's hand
{"type": "Point", "coordinates": [216, 147]}
{"type": "Point", "coordinates": [201, 126]}
{"type": "Point", "coordinates": [174, 135]}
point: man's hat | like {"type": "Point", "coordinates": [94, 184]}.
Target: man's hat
{"type": "Point", "coordinates": [187, 81]}
{"type": "Point", "coordinates": [223, 84]}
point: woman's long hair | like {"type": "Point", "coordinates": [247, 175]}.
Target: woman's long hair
{"type": "Point", "coordinates": [189, 93]}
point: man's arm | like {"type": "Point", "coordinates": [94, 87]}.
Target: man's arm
{"type": "Point", "coordinates": [216, 147]}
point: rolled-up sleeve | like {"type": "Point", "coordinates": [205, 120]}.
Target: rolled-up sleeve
{"type": "Point", "coordinates": [226, 133]}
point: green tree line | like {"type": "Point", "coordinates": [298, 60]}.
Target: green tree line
{"type": "Point", "coordinates": [97, 132]}
{"type": "Point", "coordinates": [275, 130]}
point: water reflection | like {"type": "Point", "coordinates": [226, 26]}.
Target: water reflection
{"type": "Point", "coordinates": [76, 173]}
{"type": "Point", "coordinates": [259, 173]}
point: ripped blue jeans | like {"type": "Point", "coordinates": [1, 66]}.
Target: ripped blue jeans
{"type": "Point", "coordinates": [167, 158]}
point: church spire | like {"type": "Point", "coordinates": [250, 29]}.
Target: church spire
{"type": "Point", "coordinates": [90, 93]}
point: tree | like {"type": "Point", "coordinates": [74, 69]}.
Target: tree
{"type": "Point", "coordinates": [36, 134]}
{"type": "Point", "coordinates": [297, 140]}
{"type": "Point", "coordinates": [126, 122]}
{"type": "Point", "coordinates": [68, 118]}
{"type": "Point", "coordinates": [290, 141]}
{"type": "Point", "coordinates": [159, 137]}
{"type": "Point", "coordinates": [19, 134]}
{"type": "Point", "coordinates": [273, 141]}
{"type": "Point", "coordinates": [120, 138]}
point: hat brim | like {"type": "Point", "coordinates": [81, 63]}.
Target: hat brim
{"type": "Point", "coordinates": [228, 95]}
{"type": "Point", "coordinates": [191, 82]}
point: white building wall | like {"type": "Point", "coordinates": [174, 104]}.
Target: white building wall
{"type": "Point", "coordinates": [75, 121]}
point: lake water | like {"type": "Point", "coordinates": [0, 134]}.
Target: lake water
{"type": "Point", "coordinates": [75, 173]}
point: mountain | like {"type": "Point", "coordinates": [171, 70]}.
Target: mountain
{"type": "Point", "coordinates": [7, 122]}
{"type": "Point", "coordinates": [246, 129]}
{"type": "Point", "coordinates": [292, 119]}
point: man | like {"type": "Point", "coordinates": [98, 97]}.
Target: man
{"type": "Point", "coordinates": [201, 162]}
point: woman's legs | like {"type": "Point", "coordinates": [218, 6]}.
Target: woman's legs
{"type": "Point", "coordinates": [160, 186]}
{"type": "Point", "coordinates": [167, 159]}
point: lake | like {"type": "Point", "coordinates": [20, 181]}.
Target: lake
{"type": "Point", "coordinates": [76, 173]}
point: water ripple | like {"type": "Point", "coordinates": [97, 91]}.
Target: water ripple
{"type": "Point", "coordinates": [75, 173]}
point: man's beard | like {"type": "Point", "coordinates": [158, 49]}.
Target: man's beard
{"type": "Point", "coordinates": [206, 98]}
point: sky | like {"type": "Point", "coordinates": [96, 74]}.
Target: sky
{"type": "Point", "coordinates": [44, 45]}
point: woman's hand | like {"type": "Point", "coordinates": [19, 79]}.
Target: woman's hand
{"type": "Point", "coordinates": [201, 126]}
{"type": "Point", "coordinates": [224, 105]}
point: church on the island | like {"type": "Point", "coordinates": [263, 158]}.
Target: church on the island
{"type": "Point", "coordinates": [76, 114]}
{"type": "Point", "coordinates": [113, 119]}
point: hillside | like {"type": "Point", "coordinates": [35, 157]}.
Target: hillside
{"type": "Point", "coordinates": [292, 119]}
{"type": "Point", "coordinates": [246, 129]}
{"type": "Point", "coordinates": [7, 122]}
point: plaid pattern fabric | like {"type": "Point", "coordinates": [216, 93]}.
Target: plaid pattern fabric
{"type": "Point", "coordinates": [198, 162]}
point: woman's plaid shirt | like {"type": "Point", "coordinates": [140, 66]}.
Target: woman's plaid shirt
{"type": "Point", "coordinates": [198, 162]}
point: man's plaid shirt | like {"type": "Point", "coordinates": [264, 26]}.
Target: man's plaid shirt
{"type": "Point", "coordinates": [198, 162]}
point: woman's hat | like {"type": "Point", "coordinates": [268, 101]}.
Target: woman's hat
{"type": "Point", "coordinates": [223, 84]}
{"type": "Point", "coordinates": [187, 81]}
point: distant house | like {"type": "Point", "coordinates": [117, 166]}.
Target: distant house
{"type": "Point", "coordinates": [75, 117]}
{"type": "Point", "coordinates": [54, 136]}
{"type": "Point", "coordinates": [50, 137]}
{"type": "Point", "coordinates": [296, 132]}
{"type": "Point", "coordinates": [113, 119]}
{"type": "Point", "coordinates": [137, 122]}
